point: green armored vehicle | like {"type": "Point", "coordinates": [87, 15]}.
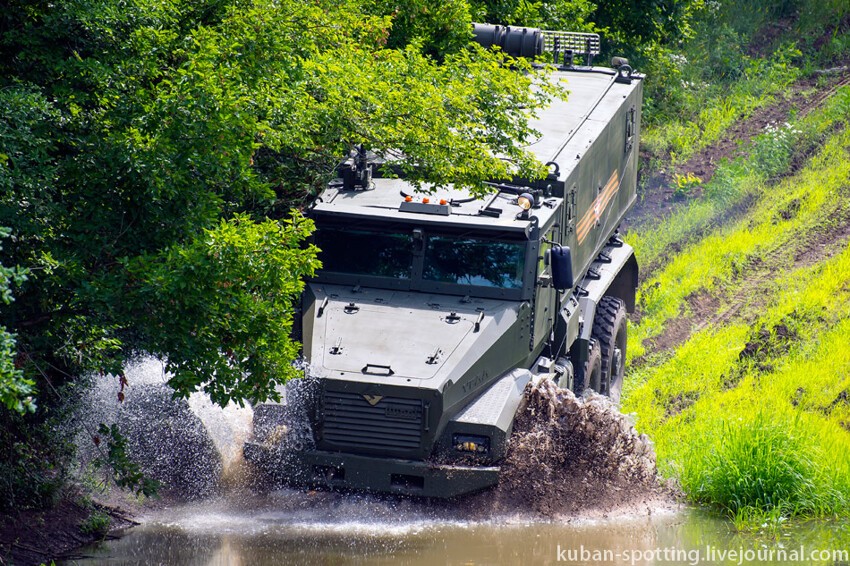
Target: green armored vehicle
{"type": "Point", "coordinates": [430, 315]}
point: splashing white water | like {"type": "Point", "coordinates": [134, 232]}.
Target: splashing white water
{"type": "Point", "coordinates": [149, 417]}
{"type": "Point", "coordinates": [228, 427]}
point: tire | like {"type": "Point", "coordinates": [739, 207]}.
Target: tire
{"type": "Point", "coordinates": [609, 330]}
{"type": "Point", "coordinates": [590, 375]}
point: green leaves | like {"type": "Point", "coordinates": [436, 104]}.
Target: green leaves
{"type": "Point", "coordinates": [150, 151]}
{"type": "Point", "coordinates": [126, 473]}
{"type": "Point", "coordinates": [220, 308]}
{"type": "Point", "coordinates": [15, 390]}
{"type": "Point", "coordinates": [566, 15]}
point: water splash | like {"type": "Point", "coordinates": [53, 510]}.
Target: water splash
{"type": "Point", "coordinates": [229, 427]}
{"type": "Point", "coordinates": [570, 454]}
{"type": "Point", "coordinates": [190, 446]}
{"type": "Point", "coordinates": [566, 453]}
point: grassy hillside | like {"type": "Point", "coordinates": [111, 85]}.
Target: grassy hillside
{"type": "Point", "coordinates": [740, 363]}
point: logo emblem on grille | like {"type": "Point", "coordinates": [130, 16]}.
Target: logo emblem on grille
{"type": "Point", "coordinates": [373, 399]}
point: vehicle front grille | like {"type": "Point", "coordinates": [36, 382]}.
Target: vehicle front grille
{"type": "Point", "coordinates": [390, 425]}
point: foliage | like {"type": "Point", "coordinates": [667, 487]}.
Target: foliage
{"type": "Point", "coordinates": [189, 298]}
{"type": "Point", "coordinates": [152, 152]}
{"type": "Point", "coordinates": [699, 108]}
{"type": "Point", "coordinates": [96, 524]}
{"type": "Point", "coordinates": [125, 472]}
{"type": "Point", "coordinates": [633, 24]}
{"type": "Point", "coordinates": [14, 389]}
{"type": "Point", "coordinates": [440, 28]}
{"type": "Point", "coordinates": [569, 15]}
{"type": "Point", "coordinates": [36, 451]}
{"type": "Point", "coordinates": [749, 412]}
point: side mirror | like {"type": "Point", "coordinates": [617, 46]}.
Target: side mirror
{"type": "Point", "coordinates": [562, 268]}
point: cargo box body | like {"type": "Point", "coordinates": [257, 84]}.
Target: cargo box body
{"type": "Point", "coordinates": [592, 138]}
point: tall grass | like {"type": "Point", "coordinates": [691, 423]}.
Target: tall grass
{"type": "Point", "coordinates": [747, 464]}
{"type": "Point", "coordinates": [751, 412]}
{"type": "Point", "coordinates": [775, 227]}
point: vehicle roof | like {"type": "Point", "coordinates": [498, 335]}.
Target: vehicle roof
{"type": "Point", "coordinates": [566, 128]}
{"type": "Point", "coordinates": [385, 200]}
{"type": "Point", "coordinates": [558, 122]}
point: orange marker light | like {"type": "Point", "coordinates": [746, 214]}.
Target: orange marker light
{"type": "Point", "coordinates": [408, 198]}
{"type": "Point", "coordinates": [443, 201]}
{"type": "Point", "coordinates": [426, 200]}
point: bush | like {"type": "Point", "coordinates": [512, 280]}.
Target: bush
{"type": "Point", "coordinates": [765, 463]}
{"type": "Point", "coordinates": [35, 460]}
{"type": "Point", "coordinates": [96, 524]}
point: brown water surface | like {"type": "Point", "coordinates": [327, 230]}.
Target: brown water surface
{"type": "Point", "coordinates": [291, 527]}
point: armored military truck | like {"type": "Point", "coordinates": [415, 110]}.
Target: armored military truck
{"type": "Point", "coordinates": [432, 312]}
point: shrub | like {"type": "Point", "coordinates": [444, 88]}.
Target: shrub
{"type": "Point", "coordinates": [763, 463]}
{"type": "Point", "coordinates": [95, 524]}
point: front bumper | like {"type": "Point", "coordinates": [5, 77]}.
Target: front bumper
{"type": "Point", "coordinates": [315, 468]}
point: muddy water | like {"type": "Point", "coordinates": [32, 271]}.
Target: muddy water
{"type": "Point", "coordinates": [290, 527]}
{"type": "Point", "coordinates": [573, 456]}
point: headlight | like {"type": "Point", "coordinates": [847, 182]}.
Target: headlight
{"type": "Point", "coordinates": [471, 443]}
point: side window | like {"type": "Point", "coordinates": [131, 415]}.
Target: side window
{"type": "Point", "coordinates": [630, 128]}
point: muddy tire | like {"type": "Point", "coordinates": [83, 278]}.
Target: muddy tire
{"type": "Point", "coordinates": [609, 330]}
{"type": "Point", "coordinates": [590, 375]}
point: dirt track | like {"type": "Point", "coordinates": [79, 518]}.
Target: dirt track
{"type": "Point", "coordinates": [656, 197]}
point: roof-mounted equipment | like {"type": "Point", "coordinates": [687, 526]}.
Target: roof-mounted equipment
{"type": "Point", "coordinates": [564, 46]}
{"type": "Point", "coordinates": [356, 171]}
{"type": "Point", "coordinates": [515, 41]}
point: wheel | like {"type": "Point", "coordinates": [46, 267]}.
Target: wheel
{"type": "Point", "coordinates": [609, 329]}
{"type": "Point", "coordinates": [590, 374]}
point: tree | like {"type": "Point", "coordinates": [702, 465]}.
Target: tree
{"type": "Point", "coordinates": [153, 151]}
{"type": "Point", "coordinates": [633, 24]}
{"type": "Point", "coordinates": [15, 390]}
{"type": "Point", "coordinates": [564, 15]}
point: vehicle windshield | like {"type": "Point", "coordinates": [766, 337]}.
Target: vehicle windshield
{"type": "Point", "coordinates": [455, 260]}
{"type": "Point", "coordinates": [467, 261]}
{"type": "Point", "coordinates": [359, 252]}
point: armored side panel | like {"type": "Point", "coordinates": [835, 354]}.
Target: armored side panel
{"type": "Point", "coordinates": [592, 138]}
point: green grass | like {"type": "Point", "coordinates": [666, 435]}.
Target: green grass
{"type": "Point", "coordinates": [774, 228]}
{"type": "Point", "coordinates": [706, 111]}
{"type": "Point", "coordinates": [751, 413]}
{"type": "Point", "coordinates": [756, 462]}
{"type": "Point", "coordinates": [734, 63]}
{"type": "Point", "coordinates": [735, 184]}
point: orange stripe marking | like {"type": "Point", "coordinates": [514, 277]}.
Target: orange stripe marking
{"type": "Point", "coordinates": [600, 203]}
